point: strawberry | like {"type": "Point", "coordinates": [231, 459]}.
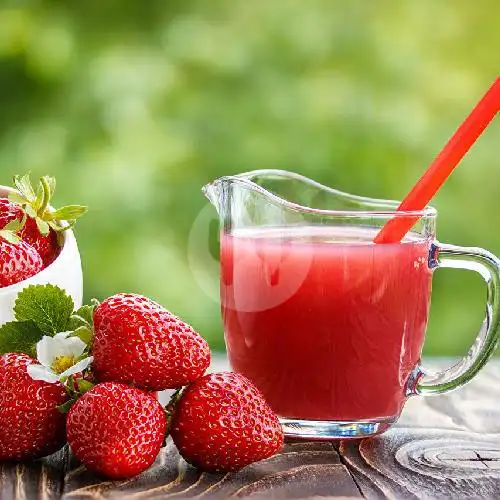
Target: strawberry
{"type": "Point", "coordinates": [18, 261]}
{"type": "Point", "coordinates": [222, 423]}
{"type": "Point", "coordinates": [30, 424]}
{"type": "Point", "coordinates": [41, 224]}
{"type": "Point", "coordinates": [47, 246]}
{"type": "Point", "coordinates": [138, 342]}
{"type": "Point", "coordinates": [116, 430]}
{"type": "Point", "coordinates": [9, 212]}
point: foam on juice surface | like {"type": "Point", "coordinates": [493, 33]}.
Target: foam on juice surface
{"type": "Point", "coordinates": [318, 234]}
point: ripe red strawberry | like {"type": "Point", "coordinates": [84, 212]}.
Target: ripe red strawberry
{"type": "Point", "coordinates": [116, 430]}
{"type": "Point", "coordinates": [47, 246]}
{"type": "Point", "coordinates": [18, 261]}
{"type": "Point", "coordinates": [30, 424]}
{"type": "Point", "coordinates": [222, 423]}
{"type": "Point", "coordinates": [138, 342]}
{"type": "Point", "coordinates": [41, 222]}
{"type": "Point", "coordinates": [9, 212]}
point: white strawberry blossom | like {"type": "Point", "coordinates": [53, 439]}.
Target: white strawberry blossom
{"type": "Point", "coordinates": [58, 357]}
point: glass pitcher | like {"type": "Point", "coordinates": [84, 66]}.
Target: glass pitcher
{"type": "Point", "coordinates": [327, 324]}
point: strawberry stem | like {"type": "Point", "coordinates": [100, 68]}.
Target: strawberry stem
{"type": "Point", "coordinates": [174, 399]}
{"type": "Point", "coordinates": [46, 196]}
{"type": "Point", "coordinates": [170, 409]}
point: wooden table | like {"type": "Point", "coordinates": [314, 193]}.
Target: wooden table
{"type": "Point", "coordinates": [443, 447]}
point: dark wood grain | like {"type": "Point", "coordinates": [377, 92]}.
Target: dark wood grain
{"type": "Point", "coordinates": [426, 463]}
{"type": "Point", "coordinates": [443, 447]}
{"type": "Point", "coordinates": [38, 480]}
{"type": "Point", "coordinates": [302, 470]}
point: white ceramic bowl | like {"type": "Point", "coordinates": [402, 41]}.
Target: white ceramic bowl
{"type": "Point", "coordinates": [65, 272]}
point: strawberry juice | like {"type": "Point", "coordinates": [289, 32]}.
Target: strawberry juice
{"type": "Point", "coordinates": [328, 325]}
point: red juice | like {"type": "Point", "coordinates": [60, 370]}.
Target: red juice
{"type": "Point", "coordinates": [327, 324]}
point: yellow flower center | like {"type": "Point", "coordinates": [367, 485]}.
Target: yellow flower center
{"type": "Point", "coordinates": [62, 363]}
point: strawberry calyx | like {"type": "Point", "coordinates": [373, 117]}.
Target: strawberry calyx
{"type": "Point", "coordinates": [9, 232]}
{"type": "Point", "coordinates": [75, 387]}
{"type": "Point", "coordinates": [170, 408]}
{"type": "Point", "coordinates": [36, 204]}
{"type": "Point", "coordinates": [174, 398]}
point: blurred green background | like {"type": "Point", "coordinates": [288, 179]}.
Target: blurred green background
{"type": "Point", "coordinates": [135, 105]}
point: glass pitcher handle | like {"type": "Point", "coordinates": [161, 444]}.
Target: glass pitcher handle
{"type": "Point", "coordinates": [488, 266]}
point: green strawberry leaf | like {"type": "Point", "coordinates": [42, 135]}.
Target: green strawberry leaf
{"type": "Point", "coordinates": [20, 336]}
{"type": "Point", "coordinates": [30, 211]}
{"type": "Point", "coordinates": [84, 333]}
{"type": "Point", "coordinates": [39, 198]}
{"type": "Point", "coordinates": [23, 185]}
{"type": "Point", "coordinates": [51, 183]}
{"type": "Point", "coordinates": [13, 225]}
{"type": "Point", "coordinates": [87, 313]}
{"type": "Point", "coordinates": [84, 385]}
{"type": "Point", "coordinates": [18, 198]}
{"type": "Point", "coordinates": [10, 236]}
{"type": "Point", "coordinates": [65, 407]}
{"type": "Point", "coordinates": [82, 317]}
{"type": "Point", "coordinates": [46, 305]}
{"type": "Point", "coordinates": [43, 227]}
{"type": "Point", "coordinates": [69, 212]}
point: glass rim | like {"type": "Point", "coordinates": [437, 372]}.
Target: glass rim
{"type": "Point", "coordinates": [245, 178]}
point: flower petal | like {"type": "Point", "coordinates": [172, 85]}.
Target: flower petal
{"type": "Point", "coordinates": [77, 367]}
{"type": "Point", "coordinates": [45, 351]}
{"type": "Point", "coordinates": [77, 346]}
{"type": "Point", "coordinates": [50, 348]}
{"type": "Point", "coordinates": [39, 372]}
{"type": "Point", "coordinates": [68, 346]}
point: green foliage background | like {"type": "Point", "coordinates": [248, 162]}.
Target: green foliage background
{"type": "Point", "coordinates": [135, 105]}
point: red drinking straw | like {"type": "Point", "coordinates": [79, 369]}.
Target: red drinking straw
{"type": "Point", "coordinates": [440, 169]}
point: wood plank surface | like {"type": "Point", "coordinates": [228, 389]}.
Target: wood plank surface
{"type": "Point", "coordinates": [442, 447]}
{"type": "Point", "coordinates": [302, 470]}
{"type": "Point", "coordinates": [426, 463]}
{"type": "Point", "coordinates": [39, 480]}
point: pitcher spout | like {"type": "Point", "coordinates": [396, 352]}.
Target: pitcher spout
{"type": "Point", "coordinates": [268, 196]}
{"type": "Point", "coordinates": [213, 191]}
